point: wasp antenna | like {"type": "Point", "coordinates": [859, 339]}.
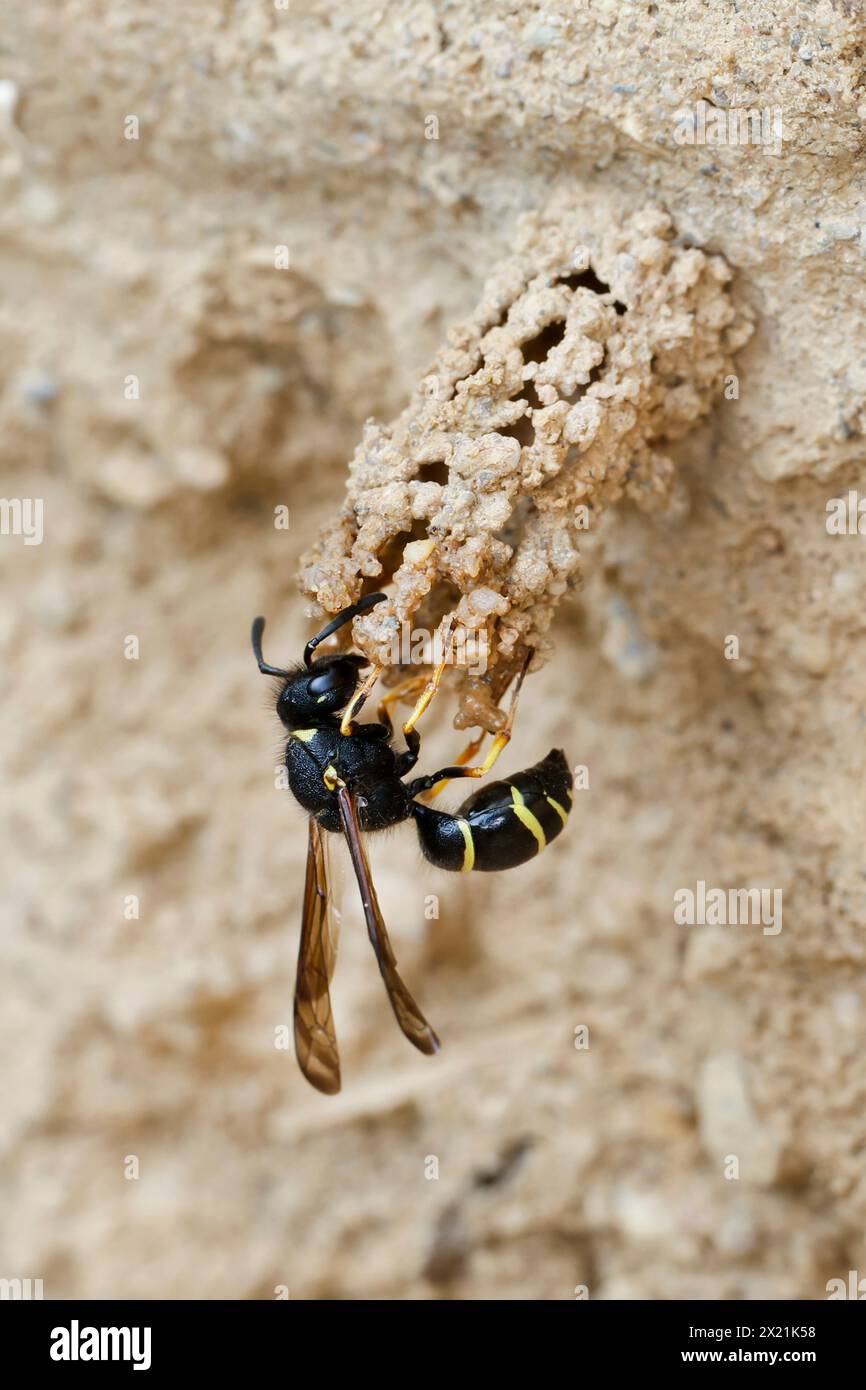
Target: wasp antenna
{"type": "Point", "coordinates": [345, 617]}
{"type": "Point", "coordinates": [266, 670]}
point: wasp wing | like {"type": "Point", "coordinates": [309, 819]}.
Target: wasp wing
{"type": "Point", "coordinates": [410, 1018]}
{"type": "Point", "coordinates": [315, 1038]}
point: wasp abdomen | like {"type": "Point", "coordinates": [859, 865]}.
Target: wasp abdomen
{"type": "Point", "coordinates": [503, 824]}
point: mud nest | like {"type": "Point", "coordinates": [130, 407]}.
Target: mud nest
{"type": "Point", "coordinates": [587, 352]}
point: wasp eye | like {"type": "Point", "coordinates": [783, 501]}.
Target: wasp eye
{"type": "Point", "coordinates": [328, 681]}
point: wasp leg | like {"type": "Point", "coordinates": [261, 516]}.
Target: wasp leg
{"type": "Point", "coordinates": [447, 636]}
{"type": "Point", "coordinates": [501, 741]}
{"type": "Point", "coordinates": [413, 739]}
{"type": "Point", "coordinates": [410, 686]}
{"type": "Point", "coordinates": [469, 752]}
{"type": "Point", "coordinates": [359, 699]}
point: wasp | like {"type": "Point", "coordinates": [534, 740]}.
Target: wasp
{"type": "Point", "coordinates": [350, 780]}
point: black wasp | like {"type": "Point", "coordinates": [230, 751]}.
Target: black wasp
{"type": "Point", "coordinates": [350, 780]}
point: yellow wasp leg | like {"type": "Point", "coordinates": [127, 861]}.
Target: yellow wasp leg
{"type": "Point", "coordinates": [430, 689]}
{"type": "Point", "coordinates": [469, 752]}
{"type": "Point", "coordinates": [410, 686]}
{"type": "Point", "coordinates": [359, 698]}
{"type": "Point", "coordinates": [500, 741]}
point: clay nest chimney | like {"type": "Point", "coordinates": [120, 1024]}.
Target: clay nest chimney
{"type": "Point", "coordinates": [588, 352]}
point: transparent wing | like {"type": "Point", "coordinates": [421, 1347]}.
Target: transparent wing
{"type": "Point", "coordinates": [410, 1018]}
{"type": "Point", "coordinates": [315, 1037]}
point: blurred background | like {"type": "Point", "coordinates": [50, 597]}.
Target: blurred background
{"type": "Point", "coordinates": [163, 388]}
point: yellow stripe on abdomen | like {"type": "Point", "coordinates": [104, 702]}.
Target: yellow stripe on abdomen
{"type": "Point", "coordinates": [556, 806]}
{"type": "Point", "coordinates": [469, 843]}
{"type": "Point", "coordinates": [527, 817]}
